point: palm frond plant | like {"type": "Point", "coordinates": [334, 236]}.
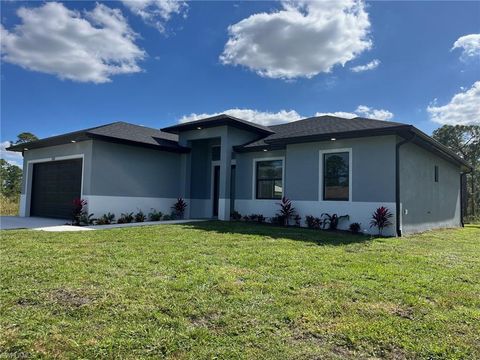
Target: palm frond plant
{"type": "Point", "coordinates": [287, 211]}
{"type": "Point", "coordinates": [381, 219]}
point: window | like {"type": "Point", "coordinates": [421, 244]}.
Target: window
{"type": "Point", "coordinates": [436, 173]}
{"type": "Point", "coordinates": [336, 176]}
{"type": "Point", "coordinates": [215, 153]}
{"type": "Point", "coordinates": [269, 179]}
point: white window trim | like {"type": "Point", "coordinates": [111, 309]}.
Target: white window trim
{"type": "Point", "coordinates": [254, 176]}
{"type": "Point", "coordinates": [28, 180]}
{"type": "Point", "coordinates": [350, 184]}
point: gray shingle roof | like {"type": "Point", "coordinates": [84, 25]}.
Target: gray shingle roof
{"type": "Point", "coordinates": [219, 120]}
{"type": "Point", "coordinates": [118, 132]}
{"type": "Point", "coordinates": [322, 125]}
{"type": "Point", "coordinates": [136, 133]}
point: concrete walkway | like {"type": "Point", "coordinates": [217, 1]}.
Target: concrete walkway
{"type": "Point", "coordinates": [44, 224]}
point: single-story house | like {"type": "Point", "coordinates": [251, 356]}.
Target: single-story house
{"type": "Point", "coordinates": [323, 164]}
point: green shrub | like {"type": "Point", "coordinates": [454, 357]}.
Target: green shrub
{"type": "Point", "coordinates": [105, 219]}
{"type": "Point", "coordinates": [155, 215]}
{"type": "Point", "coordinates": [140, 216]}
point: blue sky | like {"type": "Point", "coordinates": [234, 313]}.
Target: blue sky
{"type": "Point", "coordinates": [171, 65]}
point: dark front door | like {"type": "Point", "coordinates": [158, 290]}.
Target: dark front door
{"type": "Point", "coordinates": [55, 184]}
{"type": "Point", "coordinates": [216, 189]}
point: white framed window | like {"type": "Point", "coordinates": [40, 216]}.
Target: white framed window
{"type": "Point", "coordinates": [335, 175]}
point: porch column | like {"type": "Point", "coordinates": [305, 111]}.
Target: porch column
{"type": "Point", "coordinates": [225, 173]}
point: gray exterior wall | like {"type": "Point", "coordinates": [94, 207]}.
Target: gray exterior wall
{"type": "Point", "coordinates": [427, 204]}
{"type": "Point", "coordinates": [372, 158]}
{"type": "Point", "coordinates": [245, 172]}
{"type": "Point", "coordinates": [125, 170]}
{"type": "Point", "coordinates": [373, 168]}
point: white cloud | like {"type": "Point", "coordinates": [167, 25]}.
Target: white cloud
{"type": "Point", "coordinates": [342, 114]}
{"type": "Point", "coordinates": [303, 39]}
{"type": "Point", "coordinates": [12, 157]}
{"type": "Point", "coordinates": [55, 40]}
{"type": "Point", "coordinates": [284, 116]}
{"type": "Point", "coordinates": [363, 111]}
{"type": "Point", "coordinates": [463, 108]}
{"type": "Point", "coordinates": [259, 117]}
{"type": "Point", "coordinates": [156, 12]}
{"type": "Point", "coordinates": [379, 114]}
{"type": "Point", "coordinates": [470, 45]}
{"type": "Point", "coordinates": [370, 66]}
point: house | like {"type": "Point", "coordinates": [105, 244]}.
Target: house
{"type": "Point", "coordinates": [219, 164]}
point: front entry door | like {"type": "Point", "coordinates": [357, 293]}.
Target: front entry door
{"type": "Point", "coordinates": [216, 188]}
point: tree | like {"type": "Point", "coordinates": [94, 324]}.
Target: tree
{"type": "Point", "coordinates": [10, 179]}
{"type": "Point", "coordinates": [25, 137]}
{"type": "Point", "coordinates": [464, 140]}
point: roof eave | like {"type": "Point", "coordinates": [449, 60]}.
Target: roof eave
{"type": "Point", "coordinates": [220, 121]}
{"type": "Point", "coordinates": [339, 135]}
{"type": "Point", "coordinates": [174, 148]}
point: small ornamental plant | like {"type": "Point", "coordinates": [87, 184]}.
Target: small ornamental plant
{"type": "Point", "coordinates": [155, 215]}
{"type": "Point", "coordinates": [140, 216]}
{"type": "Point", "coordinates": [287, 211]}
{"type": "Point", "coordinates": [80, 215]}
{"type": "Point", "coordinates": [313, 222]}
{"type": "Point", "coordinates": [179, 208]}
{"type": "Point", "coordinates": [381, 219]}
{"type": "Point", "coordinates": [332, 220]}
{"type": "Point", "coordinates": [355, 228]}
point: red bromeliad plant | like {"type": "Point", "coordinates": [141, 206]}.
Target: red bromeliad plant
{"type": "Point", "coordinates": [381, 219]}
{"type": "Point", "coordinates": [287, 210]}
{"type": "Point", "coordinates": [79, 206]}
{"type": "Point", "coordinates": [179, 208]}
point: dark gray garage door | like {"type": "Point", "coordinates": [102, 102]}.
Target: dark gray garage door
{"type": "Point", "coordinates": [55, 185]}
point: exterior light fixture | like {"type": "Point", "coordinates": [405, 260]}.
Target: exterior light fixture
{"type": "Point", "coordinates": [73, 141]}
{"type": "Point", "coordinates": [265, 150]}
{"type": "Point", "coordinates": [199, 128]}
{"type": "Point", "coordinates": [333, 139]}
{"type": "Point", "coordinates": [25, 149]}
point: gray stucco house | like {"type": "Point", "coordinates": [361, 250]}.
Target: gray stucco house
{"type": "Point", "coordinates": [220, 164]}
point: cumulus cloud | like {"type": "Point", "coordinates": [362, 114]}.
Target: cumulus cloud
{"type": "Point", "coordinates": [156, 12]}
{"type": "Point", "coordinates": [463, 108]}
{"type": "Point", "coordinates": [370, 66]}
{"type": "Point", "coordinates": [302, 39]}
{"type": "Point", "coordinates": [259, 117]}
{"type": "Point", "coordinates": [267, 118]}
{"type": "Point", "coordinates": [12, 157]}
{"type": "Point", "coordinates": [88, 47]}
{"type": "Point", "coordinates": [362, 111]}
{"type": "Point", "coordinates": [470, 45]}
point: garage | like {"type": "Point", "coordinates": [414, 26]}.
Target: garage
{"type": "Point", "coordinates": [55, 184]}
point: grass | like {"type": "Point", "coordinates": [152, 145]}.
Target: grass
{"type": "Point", "coordinates": [233, 290]}
{"type": "Point", "coordinates": [8, 206]}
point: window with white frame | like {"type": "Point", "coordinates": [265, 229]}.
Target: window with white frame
{"type": "Point", "coordinates": [269, 179]}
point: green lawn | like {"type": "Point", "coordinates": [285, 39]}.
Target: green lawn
{"type": "Point", "coordinates": [232, 290]}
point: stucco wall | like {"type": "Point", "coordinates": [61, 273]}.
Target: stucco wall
{"type": "Point", "coordinates": [373, 168]}
{"type": "Point", "coordinates": [373, 180]}
{"type": "Point", "coordinates": [124, 170]}
{"type": "Point", "coordinates": [427, 204]}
